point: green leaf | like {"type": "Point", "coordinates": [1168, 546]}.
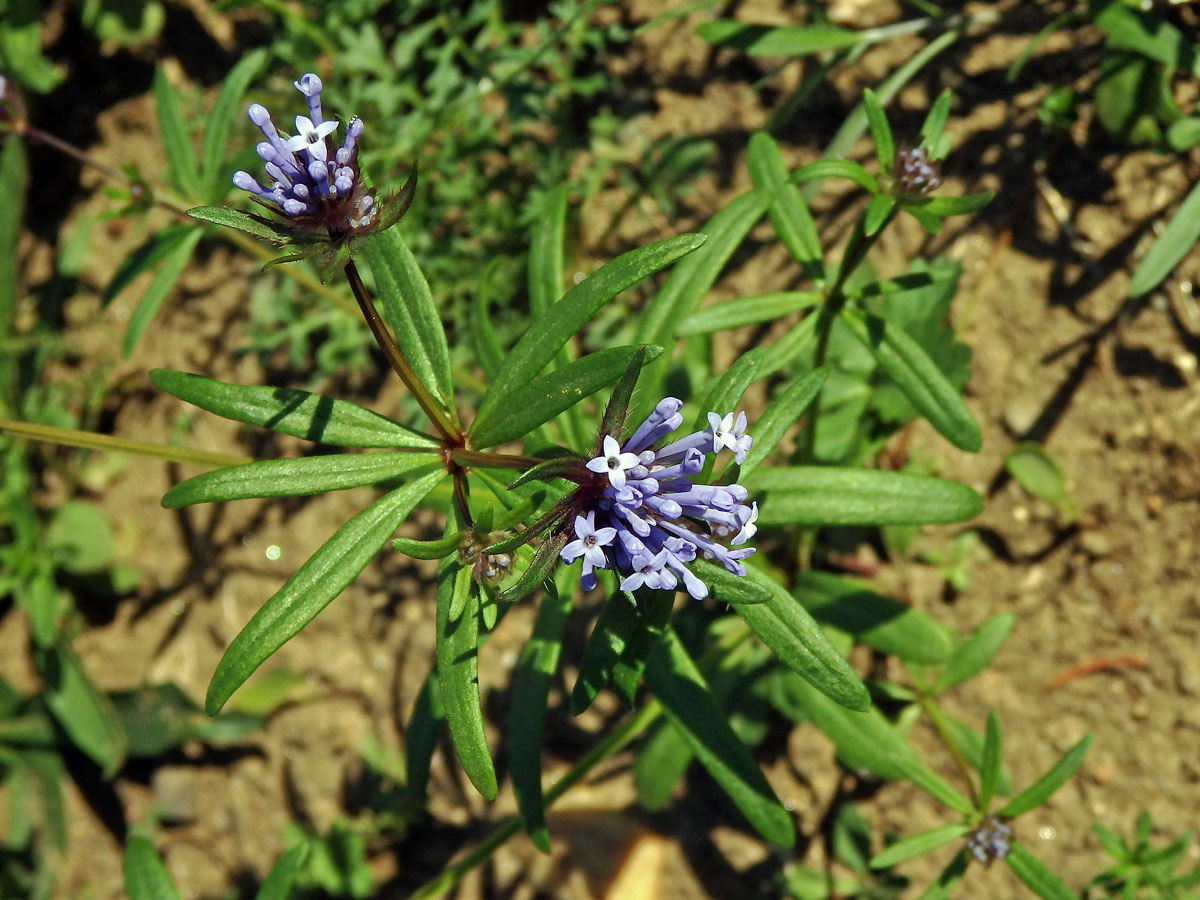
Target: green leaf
{"type": "Point", "coordinates": [144, 258]}
{"type": "Point", "coordinates": [970, 744]}
{"type": "Point", "coordinates": [545, 273]}
{"type": "Point", "coordinates": [458, 672]}
{"type": "Point", "coordinates": [934, 785]}
{"type": "Point", "coordinates": [234, 218]}
{"type": "Point", "coordinates": [408, 308]}
{"type": "Point", "coordinates": [949, 877]}
{"type": "Point", "coordinates": [523, 410]}
{"type": "Point", "coordinates": [545, 558]}
{"type": "Point", "coordinates": [216, 129]}
{"type": "Point", "coordinates": [322, 577]}
{"type": "Point", "coordinates": [935, 124]}
{"type": "Point", "coordinates": [158, 719]}
{"type": "Point", "coordinates": [836, 168]}
{"type": "Point", "coordinates": [747, 311]}
{"type": "Point", "coordinates": [660, 762]}
{"type": "Point", "coordinates": [617, 409]}
{"type": "Point", "coordinates": [690, 281]}
{"type": "Point", "coordinates": [85, 713]}
{"type": "Point", "coordinates": [283, 875]}
{"type": "Point", "coordinates": [429, 549]}
{"type": "Point", "coordinates": [780, 415]}
{"type": "Point", "coordinates": [608, 640]}
{"type": "Point", "coordinates": [1170, 247]}
{"type": "Point", "coordinates": [421, 738]}
{"type": "Point", "coordinates": [918, 377]}
{"type": "Point", "coordinates": [726, 587]}
{"type": "Point", "coordinates": [990, 771]}
{"type": "Point", "coordinates": [674, 679]}
{"type": "Point", "coordinates": [146, 877]}
{"type": "Point", "coordinates": [789, 212]}
{"type": "Point", "coordinates": [1037, 471]}
{"type": "Point", "coordinates": [1183, 135]}
{"type": "Point", "coordinates": [824, 495]}
{"type": "Point", "coordinates": [173, 263]}
{"type": "Point", "coordinates": [878, 213]}
{"type": "Point", "coordinates": [786, 627]}
{"type": "Point", "coordinates": [783, 40]}
{"type": "Point", "coordinates": [873, 619]}
{"type": "Point", "coordinates": [1148, 34]}
{"type": "Point", "coordinates": [917, 844]}
{"type": "Point", "coordinates": [288, 411]}
{"type": "Point", "coordinates": [540, 343]}
{"type": "Point", "coordinates": [181, 162]}
{"type": "Point", "coordinates": [488, 349]}
{"type": "Point", "coordinates": [881, 133]}
{"type": "Point", "coordinates": [943, 207]}
{"type": "Point", "coordinates": [975, 652]}
{"type": "Point", "coordinates": [296, 477]}
{"type": "Point", "coordinates": [1036, 876]}
{"type": "Point", "coordinates": [527, 715]}
{"type": "Point", "coordinates": [655, 612]}
{"type": "Point", "coordinates": [726, 391]}
{"type": "Point", "coordinates": [1056, 776]}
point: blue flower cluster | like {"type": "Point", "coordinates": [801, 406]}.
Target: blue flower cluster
{"type": "Point", "coordinates": [991, 840]}
{"type": "Point", "coordinates": [651, 519]}
{"type": "Point", "coordinates": [307, 182]}
{"type": "Point", "coordinates": [916, 173]}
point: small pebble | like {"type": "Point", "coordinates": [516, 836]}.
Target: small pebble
{"type": "Point", "coordinates": [1095, 543]}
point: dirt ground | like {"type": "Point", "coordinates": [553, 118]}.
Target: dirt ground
{"type": "Point", "coordinates": [1107, 612]}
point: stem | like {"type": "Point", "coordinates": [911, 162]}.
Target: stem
{"type": "Point", "coordinates": [70, 437]}
{"type": "Point", "coordinates": [943, 729]}
{"type": "Point", "coordinates": [632, 727]}
{"type": "Point", "coordinates": [460, 497]}
{"type": "Point", "coordinates": [450, 432]}
{"type": "Point", "coordinates": [493, 460]}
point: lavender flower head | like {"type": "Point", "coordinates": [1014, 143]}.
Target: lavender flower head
{"type": "Point", "coordinates": [990, 841]}
{"type": "Point", "coordinates": [915, 172]}
{"type": "Point", "coordinates": [649, 518]}
{"type": "Point", "coordinates": [311, 183]}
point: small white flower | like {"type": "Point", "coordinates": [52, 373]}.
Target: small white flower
{"type": "Point", "coordinates": [589, 543]}
{"type": "Point", "coordinates": [613, 462]}
{"type": "Point", "coordinates": [730, 434]}
{"type": "Point", "coordinates": [749, 529]}
{"type": "Point", "coordinates": [311, 137]}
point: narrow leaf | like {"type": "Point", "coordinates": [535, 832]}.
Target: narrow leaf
{"type": "Point", "coordinates": [296, 477]}
{"type": "Point", "coordinates": [935, 123]}
{"type": "Point", "coordinates": [458, 672]}
{"type": "Point", "coordinates": [569, 467]}
{"type": "Point", "coordinates": [918, 376]}
{"type": "Point", "coordinates": [539, 401]}
{"type": "Point", "coordinates": [143, 259]}
{"type": "Point", "coordinates": [527, 715]}
{"type": "Point", "coordinates": [322, 577]}
{"type": "Point", "coordinates": [288, 411]}
{"type": "Point", "coordinates": [219, 123]}
{"type": "Point", "coordinates": [1036, 876]}
{"type": "Point", "coordinates": [661, 761]}
{"type": "Point", "coordinates": [789, 213]}
{"type": "Point", "coordinates": [676, 682]}
{"type": "Point", "coordinates": [283, 875]}
{"type": "Point", "coordinates": [538, 346]}
{"type": "Point", "coordinates": [169, 270]}
{"type": "Point", "coordinates": [655, 613]}
{"type": "Point", "coordinates": [1170, 247]}
{"type": "Point", "coordinates": [875, 620]}
{"type": "Point", "coordinates": [881, 132]}
{"type": "Point", "coordinates": [780, 416]}
{"type": "Point", "coordinates": [825, 495]}
{"type": "Point", "coordinates": [429, 549]}
{"type": "Point", "coordinates": [747, 311]}
{"type": "Point", "coordinates": [609, 638]}
{"type": "Point", "coordinates": [421, 737]}
{"type": "Point", "coordinates": [618, 402]}
{"type": "Point", "coordinates": [942, 207]}
{"type": "Point", "coordinates": [181, 162]}
{"type": "Point", "coordinates": [409, 310]}
{"type": "Point", "coordinates": [836, 168]}
{"type": "Point", "coordinates": [990, 771]}
{"type": "Point", "coordinates": [878, 213]}
{"type": "Point", "coordinates": [783, 40]}
{"type": "Point", "coordinates": [783, 625]}
{"type": "Point", "coordinates": [539, 569]}
{"type": "Point", "coordinates": [917, 844]}
{"type": "Point", "coordinates": [934, 785]}
{"type": "Point", "coordinates": [725, 587]}
{"type": "Point", "coordinates": [726, 392]}
{"type": "Point", "coordinates": [146, 877]}
{"type": "Point", "coordinates": [84, 712]}
{"type": "Point", "coordinates": [1056, 776]}
{"type": "Point", "coordinates": [545, 273]}
{"type": "Point", "coordinates": [975, 652]}
{"type": "Point", "coordinates": [944, 885]}
{"type": "Point", "coordinates": [235, 218]}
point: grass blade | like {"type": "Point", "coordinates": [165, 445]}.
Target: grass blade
{"type": "Point", "coordinates": [216, 130]}
{"type": "Point", "coordinates": [182, 173]}
{"type": "Point", "coordinates": [173, 263]}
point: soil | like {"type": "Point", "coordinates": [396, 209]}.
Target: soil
{"type": "Point", "coordinates": [1107, 615]}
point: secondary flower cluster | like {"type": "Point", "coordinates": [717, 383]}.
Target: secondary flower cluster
{"type": "Point", "coordinates": [309, 184]}
{"type": "Point", "coordinates": [990, 840]}
{"type": "Point", "coordinates": [651, 518]}
{"type": "Point", "coordinates": [916, 173]}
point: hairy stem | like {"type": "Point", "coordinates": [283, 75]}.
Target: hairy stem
{"type": "Point", "coordinates": [614, 742]}
{"type": "Point", "coordinates": [399, 362]}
